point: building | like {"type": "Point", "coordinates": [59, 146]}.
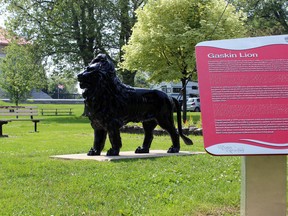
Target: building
{"type": "Point", "coordinates": [3, 42]}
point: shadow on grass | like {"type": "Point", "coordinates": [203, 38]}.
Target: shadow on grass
{"type": "Point", "coordinates": [128, 160]}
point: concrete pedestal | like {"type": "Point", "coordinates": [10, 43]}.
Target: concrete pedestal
{"type": "Point", "coordinates": [263, 189]}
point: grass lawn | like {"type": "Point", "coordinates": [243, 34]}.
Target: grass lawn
{"type": "Point", "coordinates": [31, 183]}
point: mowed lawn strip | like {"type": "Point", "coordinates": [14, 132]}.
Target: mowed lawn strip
{"type": "Point", "coordinates": [31, 183]}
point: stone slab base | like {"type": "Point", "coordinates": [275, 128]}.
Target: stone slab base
{"type": "Point", "coordinates": [124, 155]}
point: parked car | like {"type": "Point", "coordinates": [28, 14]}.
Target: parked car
{"type": "Point", "coordinates": [193, 104]}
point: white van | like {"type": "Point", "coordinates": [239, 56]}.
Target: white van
{"type": "Point", "coordinates": [174, 89]}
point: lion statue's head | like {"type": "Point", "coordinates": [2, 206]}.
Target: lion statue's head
{"type": "Point", "coordinates": [90, 76]}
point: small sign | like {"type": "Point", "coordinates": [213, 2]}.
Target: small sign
{"type": "Point", "coordinates": [243, 86]}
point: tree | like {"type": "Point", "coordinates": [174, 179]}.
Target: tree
{"type": "Point", "coordinates": [62, 84]}
{"type": "Point", "coordinates": [141, 80]}
{"type": "Point", "coordinates": [164, 38]}
{"type": "Point", "coordinates": [265, 17]}
{"type": "Point", "coordinates": [21, 71]}
{"type": "Point", "coordinates": [127, 19]}
{"type": "Point", "coordinates": [73, 31]}
{"type": "Point", "coordinates": [68, 32]}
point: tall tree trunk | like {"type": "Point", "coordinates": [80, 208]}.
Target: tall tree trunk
{"type": "Point", "coordinates": [184, 102]}
{"type": "Point", "coordinates": [128, 77]}
{"type": "Point", "coordinates": [125, 33]}
{"type": "Point", "coordinates": [281, 16]}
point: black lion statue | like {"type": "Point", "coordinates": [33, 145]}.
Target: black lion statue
{"type": "Point", "coordinates": [112, 104]}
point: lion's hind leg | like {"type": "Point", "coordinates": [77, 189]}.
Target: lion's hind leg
{"type": "Point", "coordinates": [148, 127]}
{"type": "Point", "coordinates": [168, 125]}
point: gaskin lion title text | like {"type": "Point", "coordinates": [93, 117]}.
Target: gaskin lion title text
{"type": "Point", "coordinates": [233, 55]}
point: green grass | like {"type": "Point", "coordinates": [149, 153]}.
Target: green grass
{"type": "Point", "coordinates": [31, 183]}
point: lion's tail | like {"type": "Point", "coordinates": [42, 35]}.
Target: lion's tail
{"type": "Point", "coordinates": [186, 140]}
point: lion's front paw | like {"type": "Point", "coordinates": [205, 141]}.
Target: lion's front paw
{"type": "Point", "coordinates": [93, 152]}
{"type": "Point", "coordinates": [112, 152]}
{"type": "Point", "coordinates": [141, 150]}
{"type": "Point", "coordinates": [173, 150]}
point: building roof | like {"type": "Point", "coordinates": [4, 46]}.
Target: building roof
{"type": "Point", "coordinates": [4, 39]}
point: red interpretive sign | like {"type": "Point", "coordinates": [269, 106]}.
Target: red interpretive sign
{"type": "Point", "coordinates": [243, 86]}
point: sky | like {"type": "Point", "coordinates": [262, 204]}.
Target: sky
{"type": "Point", "coordinates": [2, 19]}
{"type": "Point", "coordinates": [2, 15]}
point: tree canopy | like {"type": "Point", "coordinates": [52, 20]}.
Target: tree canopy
{"type": "Point", "coordinates": [71, 32]}
{"type": "Point", "coordinates": [265, 17]}
{"type": "Point", "coordinates": [21, 71]}
{"type": "Point", "coordinates": [66, 30]}
{"type": "Point", "coordinates": [167, 31]}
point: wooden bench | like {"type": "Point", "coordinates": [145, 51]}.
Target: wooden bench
{"type": "Point", "coordinates": [17, 111]}
{"type": "Point", "coordinates": [1, 132]}
{"type": "Point", "coordinates": [56, 111]}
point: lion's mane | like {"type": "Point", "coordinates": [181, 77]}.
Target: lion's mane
{"type": "Point", "coordinates": [107, 99]}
